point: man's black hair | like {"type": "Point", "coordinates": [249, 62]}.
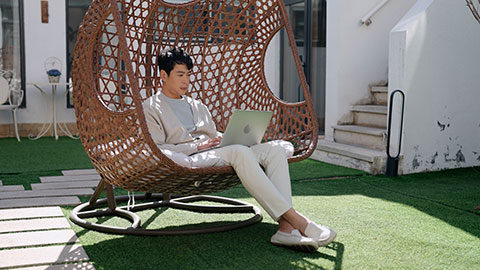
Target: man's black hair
{"type": "Point", "coordinates": [167, 60]}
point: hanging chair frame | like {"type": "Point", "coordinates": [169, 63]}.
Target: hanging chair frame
{"type": "Point", "coordinates": [88, 210]}
{"type": "Point", "coordinates": [112, 124]}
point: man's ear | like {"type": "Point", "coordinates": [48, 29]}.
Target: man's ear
{"type": "Point", "coordinates": [163, 75]}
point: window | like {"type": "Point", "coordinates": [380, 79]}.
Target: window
{"type": "Point", "coordinates": [11, 41]}
{"type": "Point", "coordinates": [76, 10]}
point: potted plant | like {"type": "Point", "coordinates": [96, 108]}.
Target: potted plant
{"type": "Point", "coordinates": [53, 67]}
{"type": "Point", "coordinates": [54, 75]}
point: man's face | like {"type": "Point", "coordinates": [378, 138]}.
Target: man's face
{"type": "Point", "coordinates": [176, 84]}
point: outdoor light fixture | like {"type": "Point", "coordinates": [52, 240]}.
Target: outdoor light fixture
{"type": "Point", "coordinates": [44, 8]}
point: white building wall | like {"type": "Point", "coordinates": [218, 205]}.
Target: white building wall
{"type": "Point", "coordinates": [357, 55]}
{"type": "Point", "coordinates": [272, 64]}
{"type": "Point", "coordinates": [435, 60]}
{"type": "Point", "coordinates": [43, 40]}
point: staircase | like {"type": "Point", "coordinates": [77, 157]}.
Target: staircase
{"type": "Point", "coordinates": [361, 143]}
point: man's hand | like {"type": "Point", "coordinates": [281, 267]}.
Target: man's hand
{"type": "Point", "coordinates": [209, 143]}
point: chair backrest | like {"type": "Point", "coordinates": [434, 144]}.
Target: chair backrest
{"type": "Point", "coordinates": [115, 69]}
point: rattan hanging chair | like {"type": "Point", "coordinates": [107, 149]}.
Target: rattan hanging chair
{"type": "Point", "coordinates": [114, 71]}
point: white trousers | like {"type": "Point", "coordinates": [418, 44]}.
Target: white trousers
{"type": "Point", "coordinates": [270, 187]}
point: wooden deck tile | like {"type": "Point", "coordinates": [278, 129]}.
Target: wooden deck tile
{"type": "Point", "coordinates": [33, 224]}
{"type": "Point", "coordinates": [77, 172]}
{"type": "Point", "coordinates": [70, 266]}
{"type": "Point", "coordinates": [46, 193]}
{"type": "Point", "coordinates": [31, 213]}
{"type": "Point", "coordinates": [64, 185]}
{"type": "Point", "coordinates": [69, 178]}
{"type": "Point", "coordinates": [25, 239]}
{"type": "Point", "coordinates": [11, 188]}
{"type": "Point", "coordinates": [42, 255]}
{"type": "Point", "coordinates": [42, 201]}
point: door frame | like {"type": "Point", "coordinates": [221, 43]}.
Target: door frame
{"type": "Point", "coordinates": [307, 34]}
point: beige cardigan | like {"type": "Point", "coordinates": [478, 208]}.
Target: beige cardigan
{"type": "Point", "coordinates": [168, 132]}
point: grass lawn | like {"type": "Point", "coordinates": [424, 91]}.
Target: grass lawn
{"type": "Point", "coordinates": [419, 221]}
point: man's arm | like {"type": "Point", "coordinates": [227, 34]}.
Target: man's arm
{"type": "Point", "coordinates": [157, 131]}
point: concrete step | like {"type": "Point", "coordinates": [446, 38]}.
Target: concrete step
{"type": "Point", "coordinates": [370, 115]}
{"type": "Point", "coordinates": [79, 172]}
{"type": "Point", "coordinates": [46, 193]}
{"type": "Point", "coordinates": [380, 95]}
{"type": "Point", "coordinates": [368, 137]}
{"type": "Point", "coordinates": [33, 224]}
{"type": "Point", "coordinates": [41, 212]}
{"type": "Point", "coordinates": [67, 266]}
{"type": "Point", "coordinates": [22, 257]}
{"type": "Point", "coordinates": [69, 178]}
{"type": "Point", "coordinates": [39, 238]}
{"type": "Point", "coordinates": [37, 202]}
{"type": "Point", "coordinates": [65, 185]}
{"type": "Point", "coordinates": [360, 158]}
{"type": "Point", "coordinates": [11, 188]}
{"type": "Point", "coordinates": [26, 239]}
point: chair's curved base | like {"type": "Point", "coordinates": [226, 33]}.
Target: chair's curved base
{"type": "Point", "coordinates": [185, 203]}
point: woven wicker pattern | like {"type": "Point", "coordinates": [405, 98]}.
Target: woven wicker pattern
{"type": "Point", "coordinates": [114, 70]}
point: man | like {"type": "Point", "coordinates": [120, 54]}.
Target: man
{"type": "Point", "coordinates": [182, 126]}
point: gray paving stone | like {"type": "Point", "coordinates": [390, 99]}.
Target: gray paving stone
{"type": "Point", "coordinates": [46, 193]}
{"type": "Point", "coordinates": [42, 255]}
{"type": "Point", "coordinates": [64, 185]}
{"type": "Point", "coordinates": [77, 172]}
{"type": "Point", "coordinates": [70, 266]}
{"type": "Point", "coordinates": [69, 178]}
{"type": "Point", "coordinates": [36, 212]}
{"type": "Point", "coordinates": [33, 224]}
{"type": "Point", "coordinates": [11, 188]}
{"type": "Point", "coordinates": [25, 239]}
{"type": "Point", "coordinates": [42, 201]}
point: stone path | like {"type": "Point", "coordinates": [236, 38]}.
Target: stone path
{"type": "Point", "coordinates": [51, 191]}
{"type": "Point", "coordinates": [34, 233]}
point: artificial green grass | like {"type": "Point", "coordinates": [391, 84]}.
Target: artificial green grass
{"type": "Point", "coordinates": [312, 169]}
{"type": "Point", "coordinates": [419, 221]}
{"type": "Point", "coordinates": [22, 163]}
{"type": "Point", "coordinates": [44, 154]}
{"type": "Point", "coordinates": [379, 225]}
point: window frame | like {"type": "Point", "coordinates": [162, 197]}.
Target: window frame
{"type": "Point", "coordinates": [69, 67]}
{"type": "Point", "coordinates": [22, 76]}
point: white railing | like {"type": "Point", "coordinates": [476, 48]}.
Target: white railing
{"type": "Point", "coordinates": [367, 19]}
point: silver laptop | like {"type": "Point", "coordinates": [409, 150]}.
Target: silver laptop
{"type": "Point", "coordinates": [246, 127]}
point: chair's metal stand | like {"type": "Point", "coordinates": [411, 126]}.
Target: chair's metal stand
{"type": "Point", "coordinates": [87, 210]}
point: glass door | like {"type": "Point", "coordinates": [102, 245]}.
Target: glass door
{"type": "Point", "coordinates": [308, 22]}
{"type": "Point", "coordinates": [75, 10]}
{"type": "Point", "coordinates": [12, 65]}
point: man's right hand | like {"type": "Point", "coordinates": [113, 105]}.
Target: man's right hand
{"type": "Point", "coordinates": [209, 143]}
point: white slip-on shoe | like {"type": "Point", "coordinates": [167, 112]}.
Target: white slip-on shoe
{"type": "Point", "coordinates": [294, 240]}
{"type": "Point", "coordinates": [320, 234]}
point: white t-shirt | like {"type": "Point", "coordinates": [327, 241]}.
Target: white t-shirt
{"type": "Point", "coordinates": [183, 111]}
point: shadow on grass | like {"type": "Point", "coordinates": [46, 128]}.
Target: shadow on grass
{"type": "Point", "coordinates": [450, 196]}
{"type": "Point", "coordinates": [437, 200]}
{"type": "Point", "coordinates": [246, 248]}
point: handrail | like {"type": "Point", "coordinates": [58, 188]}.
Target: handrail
{"type": "Point", "coordinates": [367, 19]}
{"type": "Point", "coordinates": [392, 162]}
{"type": "Point", "coordinates": [473, 9]}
